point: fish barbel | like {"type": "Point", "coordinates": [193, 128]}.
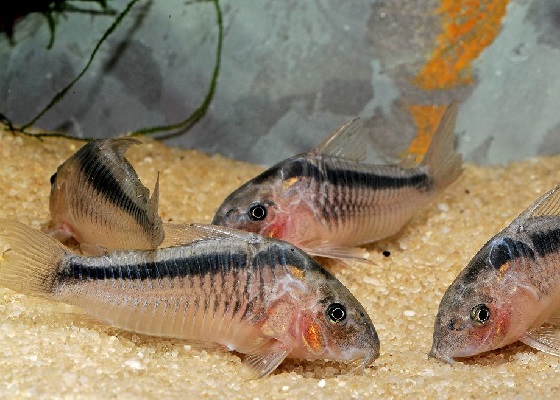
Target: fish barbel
{"type": "Point", "coordinates": [328, 201]}
{"type": "Point", "coordinates": [97, 198]}
{"type": "Point", "coordinates": [258, 296]}
{"type": "Point", "coordinates": [508, 291]}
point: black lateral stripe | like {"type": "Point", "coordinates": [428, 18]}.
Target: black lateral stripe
{"type": "Point", "coordinates": [75, 269]}
{"type": "Point", "coordinates": [508, 249]}
{"type": "Point", "coordinates": [546, 242]}
{"type": "Point", "coordinates": [301, 167]}
{"type": "Point", "coordinates": [94, 167]}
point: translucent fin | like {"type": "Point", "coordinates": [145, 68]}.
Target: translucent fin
{"type": "Point", "coordinates": [157, 234]}
{"type": "Point", "coordinates": [347, 141]}
{"type": "Point", "coordinates": [119, 145]}
{"type": "Point", "coordinates": [547, 205]}
{"type": "Point", "coordinates": [327, 250]}
{"type": "Point", "coordinates": [93, 250]}
{"type": "Point", "coordinates": [443, 162]}
{"type": "Point", "coordinates": [181, 234]}
{"type": "Point", "coordinates": [266, 359]}
{"type": "Point", "coordinates": [554, 319]}
{"type": "Point", "coordinates": [544, 338]}
{"type": "Point", "coordinates": [30, 259]}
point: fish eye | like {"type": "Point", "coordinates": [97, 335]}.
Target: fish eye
{"type": "Point", "coordinates": [336, 312]}
{"type": "Point", "coordinates": [257, 212]}
{"type": "Point", "coordinates": [480, 314]}
{"type": "Point", "coordinates": [53, 178]}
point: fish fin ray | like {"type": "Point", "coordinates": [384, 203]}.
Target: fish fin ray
{"type": "Point", "coordinates": [120, 145]}
{"type": "Point", "coordinates": [94, 250]}
{"type": "Point", "coordinates": [441, 159]}
{"type": "Point", "coordinates": [347, 141]}
{"type": "Point", "coordinates": [181, 234]}
{"type": "Point", "coordinates": [544, 338]}
{"type": "Point", "coordinates": [547, 205]}
{"type": "Point", "coordinates": [266, 359]}
{"type": "Point", "coordinates": [30, 259]}
{"type": "Point", "coordinates": [324, 249]}
{"type": "Point", "coordinates": [157, 234]}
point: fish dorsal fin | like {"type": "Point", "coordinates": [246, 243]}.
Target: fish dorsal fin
{"type": "Point", "coordinates": [544, 338]}
{"type": "Point", "coordinates": [119, 145]}
{"type": "Point", "coordinates": [347, 141]}
{"type": "Point", "coordinates": [547, 205]}
{"type": "Point", "coordinates": [157, 234]}
{"type": "Point", "coordinates": [265, 360]}
{"type": "Point", "coordinates": [181, 234]}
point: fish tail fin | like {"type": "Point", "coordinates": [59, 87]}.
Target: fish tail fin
{"type": "Point", "coordinates": [29, 259]}
{"type": "Point", "coordinates": [157, 234]}
{"type": "Point", "coordinates": [441, 159]}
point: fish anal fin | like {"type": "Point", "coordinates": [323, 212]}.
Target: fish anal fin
{"type": "Point", "coordinates": [347, 141]}
{"type": "Point", "coordinates": [266, 359]}
{"type": "Point", "coordinates": [544, 338]}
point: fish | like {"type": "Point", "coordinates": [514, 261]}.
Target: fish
{"type": "Point", "coordinates": [328, 201]}
{"type": "Point", "coordinates": [97, 199]}
{"type": "Point", "coordinates": [239, 291]}
{"type": "Point", "coordinates": [508, 292]}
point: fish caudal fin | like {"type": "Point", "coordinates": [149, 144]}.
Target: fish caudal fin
{"type": "Point", "coordinates": [443, 162]}
{"type": "Point", "coordinates": [157, 234]}
{"type": "Point", "coordinates": [29, 259]}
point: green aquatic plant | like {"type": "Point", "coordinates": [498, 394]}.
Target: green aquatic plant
{"type": "Point", "coordinates": [172, 129]}
{"type": "Point", "coordinates": [51, 10]}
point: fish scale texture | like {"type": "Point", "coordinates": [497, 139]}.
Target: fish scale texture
{"type": "Point", "coordinates": [50, 350]}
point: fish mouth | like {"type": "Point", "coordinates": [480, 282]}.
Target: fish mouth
{"type": "Point", "coordinates": [446, 358]}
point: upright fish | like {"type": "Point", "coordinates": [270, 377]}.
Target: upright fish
{"type": "Point", "coordinates": [258, 296]}
{"type": "Point", "coordinates": [327, 201]}
{"type": "Point", "coordinates": [508, 291]}
{"type": "Point", "coordinates": [97, 198]}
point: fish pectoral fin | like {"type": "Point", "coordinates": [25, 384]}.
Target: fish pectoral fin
{"type": "Point", "coordinates": [181, 234]}
{"type": "Point", "coordinates": [265, 360]}
{"type": "Point", "coordinates": [328, 251]}
{"type": "Point", "coordinates": [544, 338]}
{"type": "Point", "coordinates": [347, 141]}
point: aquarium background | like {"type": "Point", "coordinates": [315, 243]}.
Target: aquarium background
{"type": "Point", "coordinates": [292, 71]}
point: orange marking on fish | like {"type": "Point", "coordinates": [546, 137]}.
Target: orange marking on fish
{"type": "Point", "coordinates": [288, 183]}
{"type": "Point", "coordinates": [468, 27]}
{"type": "Point", "coordinates": [312, 338]}
{"type": "Point", "coordinates": [426, 118]}
{"type": "Point", "coordinates": [503, 269]}
{"type": "Point", "coordinates": [297, 272]}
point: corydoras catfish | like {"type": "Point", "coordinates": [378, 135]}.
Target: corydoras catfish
{"type": "Point", "coordinates": [98, 199]}
{"type": "Point", "coordinates": [508, 291]}
{"type": "Point", "coordinates": [255, 295]}
{"type": "Point", "coordinates": [328, 201]}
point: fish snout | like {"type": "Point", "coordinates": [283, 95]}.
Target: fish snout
{"type": "Point", "coordinates": [373, 349]}
{"type": "Point", "coordinates": [438, 352]}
